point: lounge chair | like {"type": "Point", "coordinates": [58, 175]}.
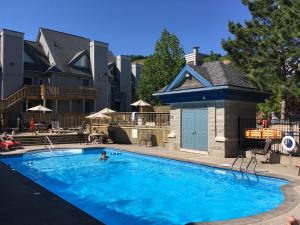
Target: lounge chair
{"type": "Point", "coordinates": [55, 127]}
{"type": "Point", "coordinates": [147, 139]}
{"type": "Point", "coordinates": [265, 151]}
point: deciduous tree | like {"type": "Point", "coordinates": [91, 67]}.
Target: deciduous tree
{"type": "Point", "coordinates": [161, 67]}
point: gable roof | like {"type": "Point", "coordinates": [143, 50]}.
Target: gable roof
{"type": "Point", "coordinates": [36, 52]}
{"type": "Point", "coordinates": [209, 81]}
{"type": "Point", "coordinates": [66, 47]}
{"type": "Point", "coordinates": [63, 47]}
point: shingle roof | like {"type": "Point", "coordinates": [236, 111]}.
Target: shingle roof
{"type": "Point", "coordinates": [37, 53]}
{"type": "Point", "coordinates": [219, 74]}
{"type": "Point", "coordinates": [63, 47]}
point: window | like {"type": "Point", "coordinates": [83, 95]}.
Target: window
{"type": "Point", "coordinates": [27, 80]}
{"type": "Point", "coordinates": [83, 62]}
{"type": "Point", "coordinates": [85, 83]}
{"type": "Point", "coordinates": [27, 58]}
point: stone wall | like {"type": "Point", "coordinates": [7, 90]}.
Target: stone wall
{"type": "Point", "coordinates": [124, 135]}
{"type": "Point", "coordinates": [222, 124]}
{"type": "Point", "coordinates": [234, 110]}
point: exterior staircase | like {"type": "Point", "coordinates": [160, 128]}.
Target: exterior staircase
{"type": "Point", "coordinates": [14, 98]}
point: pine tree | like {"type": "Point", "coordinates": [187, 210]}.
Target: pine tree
{"type": "Point", "coordinates": [161, 67]}
{"type": "Point", "coordinates": [266, 47]}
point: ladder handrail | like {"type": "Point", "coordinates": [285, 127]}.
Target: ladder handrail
{"type": "Point", "coordinates": [236, 159]}
{"type": "Point", "coordinates": [52, 146]}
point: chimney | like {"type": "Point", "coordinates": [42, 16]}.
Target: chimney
{"type": "Point", "coordinates": [124, 69]}
{"type": "Point", "coordinates": [136, 70]}
{"type": "Point", "coordinates": [196, 50]}
{"type": "Point", "coordinates": [98, 57]}
{"type": "Point", "coordinates": [11, 53]}
{"type": "Point", "coordinates": [193, 58]}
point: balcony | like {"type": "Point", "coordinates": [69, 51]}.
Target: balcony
{"type": "Point", "coordinates": [57, 92]}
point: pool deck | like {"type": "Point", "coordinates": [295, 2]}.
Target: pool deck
{"type": "Point", "coordinates": [44, 206]}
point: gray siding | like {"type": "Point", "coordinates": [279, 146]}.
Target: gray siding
{"type": "Point", "coordinates": [98, 56]}
{"type": "Point", "coordinates": [124, 68]}
{"type": "Point", "coordinates": [12, 62]}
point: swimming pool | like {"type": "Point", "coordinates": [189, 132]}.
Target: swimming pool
{"type": "Point", "coordinates": [132, 189]}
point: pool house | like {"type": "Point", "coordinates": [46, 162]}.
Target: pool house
{"type": "Point", "coordinates": [206, 101]}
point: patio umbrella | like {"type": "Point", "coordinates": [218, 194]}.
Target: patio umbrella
{"type": "Point", "coordinates": [39, 108]}
{"type": "Point", "coordinates": [98, 115]}
{"type": "Point", "coordinates": [107, 110]}
{"type": "Point", "coordinates": [140, 103]}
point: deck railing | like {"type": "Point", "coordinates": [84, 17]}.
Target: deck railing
{"type": "Point", "coordinates": [66, 120]}
{"type": "Point", "coordinates": [149, 119]}
{"type": "Point", "coordinates": [50, 92]}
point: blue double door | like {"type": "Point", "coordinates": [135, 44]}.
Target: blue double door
{"type": "Point", "coordinates": [194, 129]}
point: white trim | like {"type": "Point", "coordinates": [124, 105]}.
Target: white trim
{"type": "Point", "coordinates": [194, 151]}
{"type": "Point", "coordinates": [98, 43]}
{"type": "Point", "coordinates": [209, 89]}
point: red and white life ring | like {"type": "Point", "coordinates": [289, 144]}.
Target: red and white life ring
{"type": "Point", "coordinates": [291, 148]}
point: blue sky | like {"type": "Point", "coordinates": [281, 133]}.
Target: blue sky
{"type": "Point", "coordinates": [129, 26]}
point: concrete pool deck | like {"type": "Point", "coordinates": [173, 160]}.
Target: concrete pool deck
{"type": "Point", "coordinates": [277, 216]}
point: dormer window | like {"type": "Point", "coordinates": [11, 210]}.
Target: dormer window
{"type": "Point", "coordinates": [83, 62]}
{"type": "Point", "coordinates": [28, 58]}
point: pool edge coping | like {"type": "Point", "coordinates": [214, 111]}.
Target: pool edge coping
{"type": "Point", "coordinates": [290, 202]}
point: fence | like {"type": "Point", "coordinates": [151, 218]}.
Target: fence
{"type": "Point", "coordinates": [67, 120]}
{"type": "Point", "coordinates": [287, 127]}
{"type": "Point", "coordinates": [138, 118]}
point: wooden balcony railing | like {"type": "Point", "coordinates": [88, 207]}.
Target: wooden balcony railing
{"type": "Point", "coordinates": [151, 119]}
{"type": "Point", "coordinates": [57, 92]}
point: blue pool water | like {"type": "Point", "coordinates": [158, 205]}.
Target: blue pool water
{"type": "Point", "coordinates": [135, 189]}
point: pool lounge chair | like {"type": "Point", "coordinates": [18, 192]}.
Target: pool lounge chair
{"type": "Point", "coordinates": [55, 127]}
{"type": "Point", "coordinates": [265, 151]}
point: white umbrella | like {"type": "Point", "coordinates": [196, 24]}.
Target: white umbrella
{"type": "Point", "coordinates": [39, 108]}
{"type": "Point", "coordinates": [107, 110]}
{"type": "Point", "coordinates": [140, 103]}
{"type": "Point", "coordinates": [98, 115]}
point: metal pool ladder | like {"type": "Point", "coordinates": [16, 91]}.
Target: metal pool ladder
{"type": "Point", "coordinates": [241, 169]}
{"type": "Point", "coordinates": [235, 161]}
{"type": "Point", "coordinates": [51, 148]}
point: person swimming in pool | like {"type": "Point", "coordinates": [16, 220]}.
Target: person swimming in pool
{"type": "Point", "coordinates": [103, 156]}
